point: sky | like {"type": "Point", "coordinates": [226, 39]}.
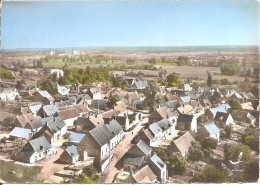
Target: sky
{"type": "Point", "coordinates": [63, 24]}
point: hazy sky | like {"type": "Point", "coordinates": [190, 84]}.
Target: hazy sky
{"type": "Point", "coordinates": [146, 23]}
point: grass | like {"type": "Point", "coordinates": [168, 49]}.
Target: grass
{"type": "Point", "coordinates": [5, 74]}
{"type": "Point", "coordinates": [23, 174]}
{"type": "Point", "coordinates": [83, 179]}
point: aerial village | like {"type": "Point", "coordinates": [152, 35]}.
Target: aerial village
{"type": "Point", "coordinates": [145, 133]}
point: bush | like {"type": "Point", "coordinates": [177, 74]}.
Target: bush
{"type": "Point", "coordinates": [90, 171]}
{"type": "Point", "coordinates": [211, 174]}
{"type": "Point", "coordinates": [97, 164]}
{"type": "Point", "coordinates": [209, 143]}
{"type": "Point", "coordinates": [232, 151]}
{"type": "Point", "coordinates": [235, 105]}
{"type": "Point", "coordinates": [178, 163]}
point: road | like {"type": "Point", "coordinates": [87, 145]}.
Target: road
{"type": "Point", "coordinates": [111, 171]}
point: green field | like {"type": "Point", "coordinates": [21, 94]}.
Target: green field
{"type": "Point", "coordinates": [20, 174]}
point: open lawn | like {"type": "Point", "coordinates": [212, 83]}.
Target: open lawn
{"type": "Point", "coordinates": [14, 173]}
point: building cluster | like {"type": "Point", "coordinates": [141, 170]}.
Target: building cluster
{"type": "Point", "coordinates": [93, 129]}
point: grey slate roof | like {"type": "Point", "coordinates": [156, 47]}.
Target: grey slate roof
{"type": "Point", "coordinates": [211, 128]}
{"type": "Point", "coordinates": [104, 133]}
{"type": "Point", "coordinates": [185, 118]}
{"type": "Point", "coordinates": [221, 108]}
{"type": "Point", "coordinates": [185, 98]}
{"type": "Point", "coordinates": [146, 149]}
{"type": "Point", "coordinates": [40, 142]}
{"type": "Point", "coordinates": [50, 109]}
{"type": "Point", "coordinates": [73, 151]}
{"type": "Point", "coordinates": [76, 137]}
{"type": "Point", "coordinates": [40, 122]}
{"type": "Point", "coordinates": [141, 84]}
{"type": "Point", "coordinates": [168, 104]}
{"type": "Point", "coordinates": [133, 159]}
{"type": "Point", "coordinates": [158, 162]}
{"type": "Point", "coordinates": [35, 108]}
{"type": "Point", "coordinates": [63, 103]}
{"type": "Point", "coordinates": [20, 132]}
{"type": "Point", "coordinates": [56, 124]}
{"type": "Point", "coordinates": [101, 134]}
{"type": "Point", "coordinates": [155, 128]}
{"type": "Point", "coordinates": [164, 124]}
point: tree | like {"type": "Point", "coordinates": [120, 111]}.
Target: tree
{"type": "Point", "coordinates": [251, 171]}
{"type": "Point", "coordinates": [232, 151]}
{"type": "Point", "coordinates": [251, 139]}
{"type": "Point", "coordinates": [19, 84]}
{"type": "Point", "coordinates": [211, 174]}
{"type": "Point", "coordinates": [195, 152]}
{"type": "Point", "coordinates": [150, 93]}
{"type": "Point", "coordinates": [228, 131]}
{"type": "Point", "coordinates": [48, 85]}
{"type": "Point", "coordinates": [90, 171]}
{"type": "Point", "coordinates": [209, 143]}
{"type": "Point", "coordinates": [178, 163]}
{"type": "Point", "coordinates": [162, 155]}
{"type": "Point", "coordinates": [209, 80]}
{"type": "Point", "coordinates": [97, 164]}
{"type": "Point", "coordinates": [235, 105]}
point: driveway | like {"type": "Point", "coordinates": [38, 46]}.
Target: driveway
{"type": "Point", "coordinates": [111, 171]}
{"type": "Point", "coordinates": [49, 165]}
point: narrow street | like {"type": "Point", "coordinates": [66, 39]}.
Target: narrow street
{"type": "Point", "coordinates": [111, 171]}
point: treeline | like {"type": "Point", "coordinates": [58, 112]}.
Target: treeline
{"type": "Point", "coordinates": [229, 71]}
{"type": "Point", "coordinates": [82, 76]}
{"type": "Point", "coordinates": [171, 80]}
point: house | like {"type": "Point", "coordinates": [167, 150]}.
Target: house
{"type": "Point", "coordinates": [82, 109]}
{"type": "Point", "coordinates": [248, 97]}
{"type": "Point", "coordinates": [209, 130]}
{"type": "Point", "coordinates": [161, 113]}
{"type": "Point", "coordinates": [69, 116]}
{"type": "Point", "coordinates": [134, 97]}
{"type": "Point", "coordinates": [85, 124]}
{"type": "Point", "coordinates": [185, 108]}
{"type": "Point", "coordinates": [136, 156]}
{"type": "Point", "coordinates": [37, 124]}
{"type": "Point", "coordinates": [35, 150]}
{"type": "Point", "coordinates": [75, 138]}
{"type": "Point", "coordinates": [63, 104]}
{"type": "Point", "coordinates": [21, 110]}
{"type": "Point", "coordinates": [159, 168]}
{"type": "Point", "coordinates": [186, 87]}
{"type": "Point", "coordinates": [129, 120]}
{"type": "Point", "coordinates": [9, 95]}
{"type": "Point", "coordinates": [35, 108]}
{"type": "Point", "coordinates": [145, 175]}
{"type": "Point", "coordinates": [103, 138]}
{"type": "Point", "coordinates": [23, 119]}
{"type": "Point", "coordinates": [181, 145]}
{"type": "Point", "coordinates": [223, 119]}
{"type": "Point", "coordinates": [70, 155]}
{"type": "Point", "coordinates": [47, 111]}
{"type": "Point", "coordinates": [20, 133]}
{"type": "Point", "coordinates": [53, 130]}
{"type": "Point", "coordinates": [187, 122]}
{"type": "Point", "coordinates": [139, 85]}
{"type": "Point", "coordinates": [146, 136]}
{"type": "Point", "coordinates": [42, 96]}
{"type": "Point", "coordinates": [61, 90]}
{"type": "Point", "coordinates": [161, 129]}
{"type": "Point", "coordinates": [99, 104]}
{"type": "Point", "coordinates": [94, 93]}
{"type": "Point", "coordinates": [83, 99]}
{"type": "Point", "coordinates": [243, 116]}
{"type": "Point", "coordinates": [211, 113]}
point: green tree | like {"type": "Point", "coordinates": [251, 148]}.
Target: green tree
{"type": "Point", "coordinates": [235, 105]}
{"type": "Point", "coordinates": [232, 151]}
{"type": "Point", "coordinates": [211, 174]}
{"type": "Point", "coordinates": [209, 80]}
{"type": "Point", "coordinates": [150, 93]}
{"type": "Point", "coordinates": [173, 80]}
{"type": "Point", "coordinates": [162, 155]}
{"type": "Point", "coordinates": [195, 152]}
{"type": "Point", "coordinates": [251, 171]}
{"type": "Point", "coordinates": [97, 164]}
{"type": "Point", "coordinates": [48, 85]}
{"type": "Point", "coordinates": [209, 143]}
{"type": "Point", "coordinates": [90, 171]}
{"type": "Point", "coordinates": [178, 163]}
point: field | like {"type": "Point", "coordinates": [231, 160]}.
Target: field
{"type": "Point", "coordinates": [21, 174]}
